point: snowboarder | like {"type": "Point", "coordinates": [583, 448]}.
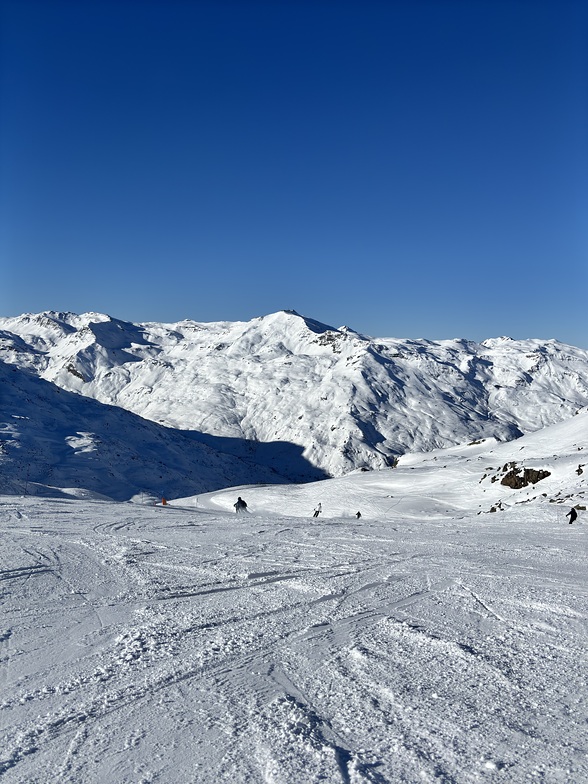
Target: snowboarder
{"type": "Point", "coordinates": [240, 506]}
{"type": "Point", "coordinates": [358, 515]}
{"type": "Point", "coordinates": [318, 509]}
{"type": "Point", "coordinates": [572, 514]}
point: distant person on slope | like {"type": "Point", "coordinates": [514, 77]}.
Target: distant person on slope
{"type": "Point", "coordinates": [318, 510]}
{"type": "Point", "coordinates": [358, 515]}
{"type": "Point", "coordinates": [240, 506]}
{"type": "Point", "coordinates": [572, 514]}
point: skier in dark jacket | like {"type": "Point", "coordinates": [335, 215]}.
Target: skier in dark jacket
{"type": "Point", "coordinates": [240, 506]}
{"type": "Point", "coordinates": [572, 514]}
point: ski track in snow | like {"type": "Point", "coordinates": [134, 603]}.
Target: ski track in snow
{"type": "Point", "coordinates": [144, 644]}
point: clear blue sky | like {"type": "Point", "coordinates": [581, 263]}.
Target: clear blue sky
{"type": "Point", "coordinates": [410, 169]}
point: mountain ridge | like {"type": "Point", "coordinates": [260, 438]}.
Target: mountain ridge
{"type": "Point", "coordinates": [347, 400]}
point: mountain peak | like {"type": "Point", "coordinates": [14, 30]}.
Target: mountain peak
{"type": "Point", "coordinates": [292, 319]}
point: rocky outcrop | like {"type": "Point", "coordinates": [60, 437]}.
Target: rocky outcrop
{"type": "Point", "coordinates": [521, 477]}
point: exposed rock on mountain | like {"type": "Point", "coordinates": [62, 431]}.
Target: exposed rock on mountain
{"type": "Point", "coordinates": [518, 478]}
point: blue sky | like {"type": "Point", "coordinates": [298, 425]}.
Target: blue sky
{"type": "Point", "coordinates": [410, 169]}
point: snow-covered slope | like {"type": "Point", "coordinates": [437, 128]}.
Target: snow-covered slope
{"type": "Point", "coordinates": [447, 483]}
{"type": "Point", "coordinates": [53, 442]}
{"type": "Point", "coordinates": [423, 642]}
{"type": "Point", "coordinates": [347, 400]}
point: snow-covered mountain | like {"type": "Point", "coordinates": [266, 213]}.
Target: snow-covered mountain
{"type": "Point", "coordinates": [185, 643]}
{"type": "Point", "coordinates": [346, 400]}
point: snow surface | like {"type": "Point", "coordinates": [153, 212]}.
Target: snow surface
{"type": "Point", "coordinates": [343, 399]}
{"type": "Point", "coordinates": [432, 640]}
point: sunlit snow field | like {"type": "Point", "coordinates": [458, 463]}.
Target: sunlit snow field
{"type": "Point", "coordinates": [428, 641]}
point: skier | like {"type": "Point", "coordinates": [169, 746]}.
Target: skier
{"type": "Point", "coordinates": [318, 509]}
{"type": "Point", "coordinates": [572, 514]}
{"type": "Point", "coordinates": [240, 506]}
{"type": "Point", "coordinates": [358, 515]}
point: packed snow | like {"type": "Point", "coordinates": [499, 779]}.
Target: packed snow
{"type": "Point", "coordinates": [429, 640]}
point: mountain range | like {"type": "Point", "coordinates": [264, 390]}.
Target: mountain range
{"type": "Point", "coordinates": [119, 408]}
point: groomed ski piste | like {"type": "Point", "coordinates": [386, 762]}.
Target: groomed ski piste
{"type": "Point", "coordinates": [430, 640]}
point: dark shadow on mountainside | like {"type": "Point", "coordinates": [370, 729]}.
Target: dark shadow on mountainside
{"type": "Point", "coordinates": [51, 438]}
